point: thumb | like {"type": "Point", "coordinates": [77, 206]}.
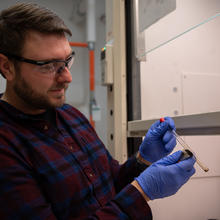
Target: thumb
{"type": "Point", "coordinates": [171, 159]}
{"type": "Point", "coordinates": [187, 164]}
{"type": "Point", "coordinates": [161, 128]}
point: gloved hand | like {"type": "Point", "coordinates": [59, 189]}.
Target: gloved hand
{"type": "Point", "coordinates": [164, 177]}
{"type": "Point", "coordinates": [159, 140]}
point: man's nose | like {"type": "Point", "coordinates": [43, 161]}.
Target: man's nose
{"type": "Point", "coordinates": [65, 76]}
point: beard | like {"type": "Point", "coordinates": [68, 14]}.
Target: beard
{"type": "Point", "coordinates": [34, 99]}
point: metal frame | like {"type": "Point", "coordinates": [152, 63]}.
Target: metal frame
{"type": "Point", "coordinates": [135, 44]}
{"type": "Point", "coordinates": [187, 125]}
{"type": "Point", "coordinates": [116, 93]}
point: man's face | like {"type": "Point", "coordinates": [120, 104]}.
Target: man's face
{"type": "Point", "coordinates": [35, 91]}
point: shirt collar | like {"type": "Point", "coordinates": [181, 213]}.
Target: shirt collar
{"type": "Point", "coordinates": [15, 113]}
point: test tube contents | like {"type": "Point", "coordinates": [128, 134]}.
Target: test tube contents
{"type": "Point", "coordinates": [187, 148]}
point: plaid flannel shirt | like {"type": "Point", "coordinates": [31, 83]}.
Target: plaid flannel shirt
{"type": "Point", "coordinates": [62, 172]}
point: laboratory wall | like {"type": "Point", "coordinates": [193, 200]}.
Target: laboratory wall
{"type": "Point", "coordinates": [181, 76]}
{"type": "Point", "coordinates": [73, 12]}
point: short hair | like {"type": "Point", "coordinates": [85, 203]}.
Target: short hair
{"type": "Point", "coordinates": [20, 18]}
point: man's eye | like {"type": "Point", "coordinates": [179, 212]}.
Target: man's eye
{"type": "Point", "coordinates": [60, 69]}
{"type": "Point", "coordinates": [46, 68]}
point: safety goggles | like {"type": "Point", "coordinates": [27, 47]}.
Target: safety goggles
{"type": "Point", "coordinates": [49, 67]}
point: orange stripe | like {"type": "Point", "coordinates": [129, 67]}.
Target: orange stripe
{"type": "Point", "coordinates": [91, 121]}
{"type": "Point", "coordinates": [92, 70]}
{"type": "Point", "coordinates": [78, 44]}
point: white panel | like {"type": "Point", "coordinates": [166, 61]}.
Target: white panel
{"type": "Point", "coordinates": [160, 87]}
{"type": "Point", "coordinates": [151, 11]}
{"type": "Point", "coordinates": [197, 200]}
{"type": "Point", "coordinates": [200, 91]}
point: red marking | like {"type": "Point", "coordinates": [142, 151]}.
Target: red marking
{"type": "Point", "coordinates": [162, 119]}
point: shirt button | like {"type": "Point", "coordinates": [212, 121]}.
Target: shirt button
{"type": "Point", "coordinates": [91, 175]}
{"type": "Point", "coordinates": [71, 148]}
{"type": "Point", "coordinates": [45, 127]}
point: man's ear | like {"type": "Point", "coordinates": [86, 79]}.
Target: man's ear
{"type": "Point", "coordinates": [6, 67]}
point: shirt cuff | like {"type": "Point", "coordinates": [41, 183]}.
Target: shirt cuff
{"type": "Point", "coordinates": [140, 165]}
{"type": "Point", "coordinates": [133, 203]}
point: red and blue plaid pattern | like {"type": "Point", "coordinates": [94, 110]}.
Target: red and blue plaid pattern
{"type": "Point", "coordinates": [62, 172]}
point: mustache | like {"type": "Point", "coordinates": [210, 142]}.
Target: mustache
{"type": "Point", "coordinates": [63, 86]}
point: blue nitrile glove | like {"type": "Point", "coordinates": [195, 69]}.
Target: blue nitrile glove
{"type": "Point", "coordinates": [164, 177]}
{"type": "Point", "coordinates": [159, 140]}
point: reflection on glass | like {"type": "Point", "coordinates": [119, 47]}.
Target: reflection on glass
{"type": "Point", "coordinates": [179, 35]}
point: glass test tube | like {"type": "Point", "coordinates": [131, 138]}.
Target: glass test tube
{"type": "Point", "coordinates": [186, 147]}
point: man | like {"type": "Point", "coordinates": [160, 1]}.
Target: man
{"type": "Point", "coordinates": [52, 164]}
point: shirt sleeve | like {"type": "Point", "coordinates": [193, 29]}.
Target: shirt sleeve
{"type": "Point", "coordinates": [128, 204]}
{"type": "Point", "coordinates": [125, 173]}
